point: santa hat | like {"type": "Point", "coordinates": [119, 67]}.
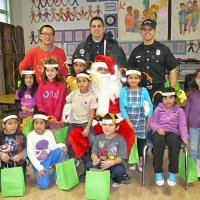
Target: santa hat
{"type": "Point", "coordinates": [107, 62]}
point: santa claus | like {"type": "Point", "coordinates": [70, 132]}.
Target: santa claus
{"type": "Point", "coordinates": [106, 86]}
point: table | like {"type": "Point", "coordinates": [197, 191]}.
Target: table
{"type": "Point", "coordinates": [7, 99]}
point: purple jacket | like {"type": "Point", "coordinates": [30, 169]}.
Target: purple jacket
{"type": "Point", "coordinates": [172, 120]}
{"type": "Point", "coordinates": [192, 109]}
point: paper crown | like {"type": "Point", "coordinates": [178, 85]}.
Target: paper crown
{"type": "Point", "coordinates": [149, 22]}
{"type": "Point", "coordinates": [80, 60]}
{"type": "Point", "coordinates": [51, 65]}
{"type": "Point", "coordinates": [109, 118]}
{"type": "Point", "coordinates": [107, 62]}
{"type": "Point", "coordinates": [9, 117]}
{"type": "Point", "coordinates": [84, 75]}
{"type": "Point", "coordinates": [40, 116]}
{"type": "Point", "coordinates": [128, 72]}
{"type": "Point", "coordinates": [28, 71]}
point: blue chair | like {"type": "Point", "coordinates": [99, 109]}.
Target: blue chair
{"type": "Point", "coordinates": [149, 144]}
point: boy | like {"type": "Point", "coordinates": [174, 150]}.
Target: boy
{"type": "Point", "coordinates": [109, 150]}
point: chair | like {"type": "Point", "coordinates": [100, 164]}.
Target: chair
{"type": "Point", "coordinates": [149, 144]}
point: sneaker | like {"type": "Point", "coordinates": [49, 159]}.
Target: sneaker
{"type": "Point", "coordinates": [133, 167]}
{"type": "Point", "coordinates": [140, 167]}
{"type": "Point", "coordinates": [116, 185]}
{"type": "Point", "coordinates": [127, 179]}
{"type": "Point", "coordinates": [171, 179]}
{"type": "Point", "coordinates": [158, 177]}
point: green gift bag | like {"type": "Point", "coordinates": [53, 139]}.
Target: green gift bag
{"type": "Point", "coordinates": [12, 182]}
{"type": "Point", "coordinates": [192, 170]}
{"type": "Point", "coordinates": [97, 185]}
{"type": "Point", "coordinates": [27, 125]}
{"type": "Point", "coordinates": [66, 174]}
{"type": "Point", "coordinates": [60, 135]}
{"type": "Point", "coordinates": [133, 157]}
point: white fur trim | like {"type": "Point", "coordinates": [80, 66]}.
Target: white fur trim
{"type": "Point", "coordinates": [51, 65]}
{"type": "Point", "coordinates": [166, 94]}
{"type": "Point", "coordinates": [80, 60]}
{"type": "Point", "coordinates": [40, 116]}
{"type": "Point", "coordinates": [9, 117]}
{"type": "Point", "coordinates": [100, 64]}
{"type": "Point", "coordinates": [133, 72]}
{"type": "Point", "coordinates": [28, 71]}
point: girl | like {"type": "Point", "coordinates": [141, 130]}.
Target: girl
{"type": "Point", "coordinates": [168, 124]}
{"type": "Point", "coordinates": [79, 65]}
{"type": "Point", "coordinates": [43, 151]}
{"type": "Point", "coordinates": [192, 111]}
{"type": "Point", "coordinates": [26, 94]}
{"type": "Point", "coordinates": [84, 105]}
{"type": "Point", "coordinates": [133, 102]}
{"type": "Point", "coordinates": [51, 92]}
{"type": "Point", "coordinates": [12, 144]}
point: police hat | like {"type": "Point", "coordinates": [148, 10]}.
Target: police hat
{"type": "Point", "coordinates": [149, 22]}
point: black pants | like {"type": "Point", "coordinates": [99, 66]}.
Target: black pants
{"type": "Point", "coordinates": [140, 144]}
{"type": "Point", "coordinates": [159, 144]}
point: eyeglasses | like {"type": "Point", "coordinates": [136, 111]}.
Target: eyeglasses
{"type": "Point", "coordinates": [47, 34]}
{"type": "Point", "coordinates": [147, 29]}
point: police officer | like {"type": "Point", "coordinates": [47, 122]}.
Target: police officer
{"type": "Point", "coordinates": [153, 59]}
{"type": "Point", "coordinates": [100, 43]}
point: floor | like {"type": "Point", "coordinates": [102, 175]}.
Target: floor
{"type": "Point", "coordinates": [126, 192]}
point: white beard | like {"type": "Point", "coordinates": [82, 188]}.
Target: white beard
{"type": "Point", "coordinates": [105, 87]}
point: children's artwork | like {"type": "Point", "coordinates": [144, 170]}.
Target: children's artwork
{"type": "Point", "coordinates": [110, 20]}
{"type": "Point", "coordinates": [133, 12]}
{"type": "Point", "coordinates": [170, 45]}
{"type": "Point", "coordinates": [110, 6]}
{"type": "Point", "coordinates": [58, 37]}
{"type": "Point", "coordinates": [125, 47]}
{"type": "Point", "coordinates": [185, 18]}
{"type": "Point", "coordinates": [68, 36]}
{"type": "Point", "coordinates": [78, 35]}
{"type": "Point", "coordinates": [70, 49]}
{"type": "Point", "coordinates": [113, 31]}
{"type": "Point", "coordinates": [180, 47]}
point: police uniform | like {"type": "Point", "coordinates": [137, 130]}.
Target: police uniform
{"type": "Point", "coordinates": [154, 60]}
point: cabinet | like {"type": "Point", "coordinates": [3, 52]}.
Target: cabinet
{"type": "Point", "coordinates": [11, 53]}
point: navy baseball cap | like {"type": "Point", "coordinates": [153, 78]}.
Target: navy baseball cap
{"type": "Point", "coordinates": [149, 22]}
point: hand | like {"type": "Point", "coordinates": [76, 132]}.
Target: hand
{"type": "Point", "coordinates": [161, 131]}
{"type": "Point", "coordinates": [24, 109]}
{"type": "Point", "coordinates": [86, 132]}
{"type": "Point", "coordinates": [31, 110]}
{"type": "Point", "coordinates": [106, 164]}
{"type": "Point", "coordinates": [64, 149]}
{"type": "Point", "coordinates": [5, 157]}
{"type": "Point", "coordinates": [16, 158]}
{"type": "Point", "coordinates": [41, 173]}
{"type": "Point", "coordinates": [186, 142]}
{"type": "Point", "coordinates": [148, 127]}
{"type": "Point", "coordinates": [95, 162]}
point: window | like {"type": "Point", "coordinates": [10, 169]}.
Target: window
{"type": "Point", "coordinates": [5, 11]}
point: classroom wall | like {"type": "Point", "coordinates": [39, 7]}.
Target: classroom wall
{"type": "Point", "coordinates": [21, 16]}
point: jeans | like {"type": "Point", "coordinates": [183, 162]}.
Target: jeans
{"type": "Point", "coordinates": [194, 138]}
{"type": "Point", "coordinates": [159, 145]}
{"type": "Point", "coordinates": [54, 157]}
{"type": "Point", "coordinates": [117, 171]}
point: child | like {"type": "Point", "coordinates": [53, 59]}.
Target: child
{"type": "Point", "coordinates": [43, 151]}
{"type": "Point", "coordinates": [84, 105]}
{"type": "Point", "coordinates": [26, 94]}
{"type": "Point", "coordinates": [136, 108]}
{"type": "Point", "coordinates": [79, 65]}
{"type": "Point", "coordinates": [192, 111]}
{"type": "Point", "coordinates": [109, 151]}
{"type": "Point", "coordinates": [51, 92]}
{"type": "Point", "coordinates": [12, 144]}
{"type": "Point", "coordinates": [168, 124]}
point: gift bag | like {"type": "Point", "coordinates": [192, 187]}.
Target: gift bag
{"type": "Point", "coordinates": [192, 170]}
{"type": "Point", "coordinates": [60, 134]}
{"type": "Point", "coordinates": [12, 182]}
{"type": "Point", "coordinates": [97, 184]}
{"type": "Point", "coordinates": [27, 125]}
{"type": "Point", "coordinates": [133, 157]}
{"type": "Point", "coordinates": [66, 174]}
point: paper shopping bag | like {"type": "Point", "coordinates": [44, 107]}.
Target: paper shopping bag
{"type": "Point", "coordinates": [60, 134]}
{"type": "Point", "coordinates": [66, 174]}
{"type": "Point", "coordinates": [192, 170]}
{"type": "Point", "coordinates": [12, 182]}
{"type": "Point", "coordinates": [133, 157]}
{"type": "Point", "coordinates": [97, 185]}
{"type": "Point", "coordinates": [27, 125]}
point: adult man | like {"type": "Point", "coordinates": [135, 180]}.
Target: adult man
{"type": "Point", "coordinates": [35, 57]}
{"type": "Point", "coordinates": [153, 58]}
{"type": "Point", "coordinates": [100, 43]}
